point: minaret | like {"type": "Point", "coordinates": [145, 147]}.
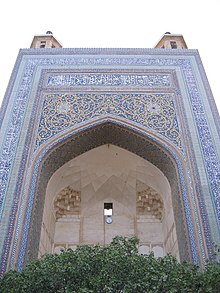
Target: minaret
{"type": "Point", "coordinates": [45, 41]}
{"type": "Point", "coordinates": [171, 41]}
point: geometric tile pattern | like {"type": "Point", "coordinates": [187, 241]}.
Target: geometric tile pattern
{"type": "Point", "coordinates": [211, 159]}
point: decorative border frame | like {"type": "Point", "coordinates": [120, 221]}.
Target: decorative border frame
{"type": "Point", "coordinates": [16, 120]}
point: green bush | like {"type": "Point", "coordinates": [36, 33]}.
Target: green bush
{"type": "Point", "coordinates": [116, 268]}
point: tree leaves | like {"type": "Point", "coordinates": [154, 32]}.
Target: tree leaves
{"type": "Point", "coordinates": [116, 268]}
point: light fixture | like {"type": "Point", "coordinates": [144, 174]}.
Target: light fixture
{"type": "Point", "coordinates": [108, 212]}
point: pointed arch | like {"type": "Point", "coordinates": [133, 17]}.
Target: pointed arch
{"type": "Point", "coordinates": [146, 145]}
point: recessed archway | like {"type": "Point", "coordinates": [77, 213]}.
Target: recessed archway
{"type": "Point", "coordinates": [135, 142]}
{"type": "Point", "coordinates": [138, 191]}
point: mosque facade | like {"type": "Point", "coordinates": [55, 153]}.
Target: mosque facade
{"type": "Point", "coordinates": [103, 142]}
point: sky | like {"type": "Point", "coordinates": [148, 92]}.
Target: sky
{"type": "Point", "coordinates": [111, 24]}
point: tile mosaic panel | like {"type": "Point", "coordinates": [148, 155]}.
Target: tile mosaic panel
{"type": "Point", "coordinates": [104, 79]}
{"type": "Point", "coordinates": [153, 111]}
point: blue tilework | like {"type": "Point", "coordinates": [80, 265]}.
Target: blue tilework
{"type": "Point", "coordinates": [11, 140]}
{"type": "Point", "coordinates": [153, 111]}
{"type": "Point", "coordinates": [103, 79]}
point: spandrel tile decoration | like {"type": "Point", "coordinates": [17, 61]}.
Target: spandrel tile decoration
{"type": "Point", "coordinates": [136, 130]}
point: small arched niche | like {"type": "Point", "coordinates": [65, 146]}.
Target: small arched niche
{"type": "Point", "coordinates": [139, 192]}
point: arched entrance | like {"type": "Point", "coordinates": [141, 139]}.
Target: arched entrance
{"type": "Point", "coordinates": [138, 193]}
{"type": "Point", "coordinates": [138, 144]}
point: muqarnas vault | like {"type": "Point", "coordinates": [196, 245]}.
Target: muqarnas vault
{"type": "Point", "coordinates": [103, 142]}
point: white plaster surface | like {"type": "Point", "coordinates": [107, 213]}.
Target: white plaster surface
{"type": "Point", "coordinates": [108, 174]}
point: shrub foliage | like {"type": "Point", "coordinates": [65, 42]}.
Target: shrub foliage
{"type": "Point", "coordinates": [116, 268]}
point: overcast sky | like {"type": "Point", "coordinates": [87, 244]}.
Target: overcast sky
{"type": "Point", "coordinates": [115, 23]}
